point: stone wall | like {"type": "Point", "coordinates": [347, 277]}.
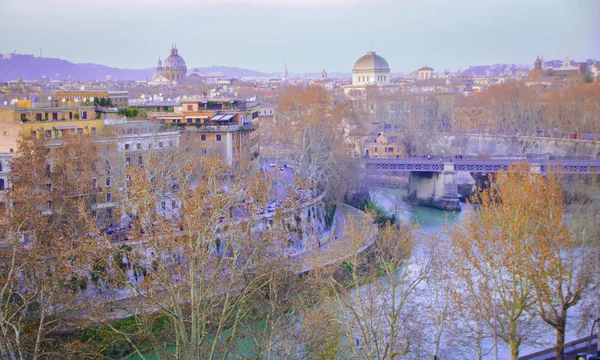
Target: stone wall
{"type": "Point", "coordinates": [503, 145]}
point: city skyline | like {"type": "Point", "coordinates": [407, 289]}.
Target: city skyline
{"type": "Point", "coordinates": [308, 35]}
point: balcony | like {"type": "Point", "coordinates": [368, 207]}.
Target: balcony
{"type": "Point", "coordinates": [223, 126]}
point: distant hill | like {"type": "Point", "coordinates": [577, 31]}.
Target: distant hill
{"type": "Point", "coordinates": [494, 70]}
{"type": "Point", "coordinates": [29, 67]}
{"type": "Point", "coordinates": [228, 71]}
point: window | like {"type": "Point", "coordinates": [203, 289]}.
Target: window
{"type": "Point", "coordinates": [127, 161]}
{"type": "Point", "coordinates": [0, 166]}
{"type": "Point", "coordinates": [49, 188]}
{"type": "Point", "coordinates": [48, 134]}
{"type": "Point", "coordinates": [203, 151]}
{"type": "Point", "coordinates": [49, 205]}
{"type": "Point", "coordinates": [48, 168]}
{"type": "Point", "coordinates": [107, 166]}
{"type": "Point", "coordinates": [140, 161]}
{"type": "Point", "coordinates": [94, 183]}
{"type": "Point", "coordinates": [163, 205]}
{"type": "Point", "coordinates": [1, 184]}
{"type": "Point", "coordinates": [218, 137]}
{"type": "Point", "coordinates": [173, 204]}
{"type": "Point", "coordinates": [84, 115]}
{"type": "Point", "coordinates": [126, 146]}
{"type": "Point", "coordinates": [70, 115]}
{"type": "Point", "coordinates": [170, 143]}
{"type": "Point", "coordinates": [108, 197]}
{"type": "Point", "coordinates": [190, 107]}
{"type": "Point", "coordinates": [38, 117]}
{"type": "Point", "coordinates": [189, 120]}
{"type": "Point", "coordinates": [202, 137]}
{"type": "Point", "coordinates": [160, 144]}
{"type": "Point", "coordinates": [138, 146]}
{"type": "Point", "coordinates": [54, 116]}
{"type": "Point", "coordinates": [375, 150]}
{"type": "Point", "coordinates": [107, 181]}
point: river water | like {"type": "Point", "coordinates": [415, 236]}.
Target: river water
{"type": "Point", "coordinates": [430, 220]}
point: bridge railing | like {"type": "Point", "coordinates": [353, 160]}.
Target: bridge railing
{"type": "Point", "coordinates": [563, 165]}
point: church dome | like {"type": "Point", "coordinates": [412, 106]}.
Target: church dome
{"type": "Point", "coordinates": [174, 60]}
{"type": "Point", "coordinates": [371, 62]}
{"type": "Point", "coordinates": [537, 71]}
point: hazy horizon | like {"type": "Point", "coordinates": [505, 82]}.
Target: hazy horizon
{"type": "Point", "coordinates": [309, 35]}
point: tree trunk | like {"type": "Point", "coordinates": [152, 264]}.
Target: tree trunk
{"type": "Point", "coordinates": [560, 340]}
{"type": "Point", "coordinates": [514, 350]}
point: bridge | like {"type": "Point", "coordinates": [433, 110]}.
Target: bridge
{"type": "Point", "coordinates": [432, 181]}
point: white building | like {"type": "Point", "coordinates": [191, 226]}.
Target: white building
{"type": "Point", "coordinates": [425, 73]}
{"type": "Point", "coordinates": [370, 70]}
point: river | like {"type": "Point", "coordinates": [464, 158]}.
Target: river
{"type": "Point", "coordinates": [430, 220]}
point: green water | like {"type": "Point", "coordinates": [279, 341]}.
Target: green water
{"type": "Point", "coordinates": [429, 219]}
{"type": "Point", "coordinates": [244, 346]}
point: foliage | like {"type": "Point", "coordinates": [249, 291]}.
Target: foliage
{"type": "Point", "coordinates": [47, 241]}
{"type": "Point", "coordinates": [313, 129]}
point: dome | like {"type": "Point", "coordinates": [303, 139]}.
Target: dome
{"type": "Point", "coordinates": [537, 71]}
{"type": "Point", "coordinates": [174, 60]}
{"type": "Point", "coordinates": [371, 62]}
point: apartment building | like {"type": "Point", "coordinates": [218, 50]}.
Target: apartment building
{"type": "Point", "coordinates": [226, 127]}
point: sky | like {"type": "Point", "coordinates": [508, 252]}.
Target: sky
{"type": "Point", "coordinates": [310, 35]}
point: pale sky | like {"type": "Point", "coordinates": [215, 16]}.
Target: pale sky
{"type": "Point", "coordinates": [309, 34]}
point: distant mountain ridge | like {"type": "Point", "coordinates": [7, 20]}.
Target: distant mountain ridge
{"type": "Point", "coordinates": [29, 67]}
{"type": "Point", "coordinates": [496, 69]}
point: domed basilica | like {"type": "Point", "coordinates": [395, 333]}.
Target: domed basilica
{"type": "Point", "coordinates": [172, 69]}
{"type": "Point", "coordinates": [370, 70]}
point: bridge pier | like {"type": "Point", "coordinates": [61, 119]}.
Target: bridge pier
{"type": "Point", "coordinates": [435, 189]}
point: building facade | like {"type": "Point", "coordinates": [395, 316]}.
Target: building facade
{"type": "Point", "coordinates": [47, 120]}
{"type": "Point", "coordinates": [223, 127]}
